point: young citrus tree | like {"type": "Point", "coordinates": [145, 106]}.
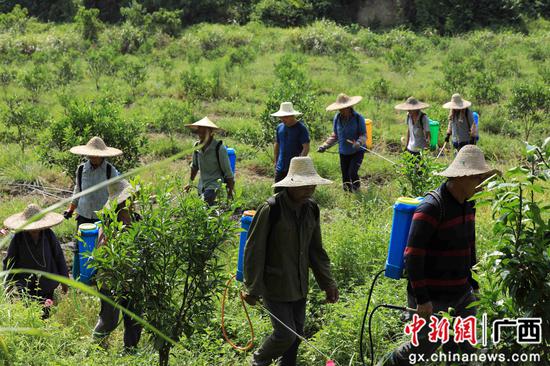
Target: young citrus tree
{"type": "Point", "coordinates": [166, 264]}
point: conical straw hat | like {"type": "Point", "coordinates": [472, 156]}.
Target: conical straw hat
{"type": "Point", "coordinates": [302, 173]}
{"type": "Point", "coordinates": [412, 104]}
{"type": "Point", "coordinates": [469, 161]}
{"type": "Point", "coordinates": [96, 147]}
{"type": "Point", "coordinates": [286, 109]}
{"type": "Point", "coordinates": [457, 103]}
{"type": "Point", "coordinates": [205, 122]}
{"type": "Point", "coordinates": [15, 222]}
{"type": "Point", "coordinates": [344, 101]}
{"type": "Point", "coordinates": [119, 192]}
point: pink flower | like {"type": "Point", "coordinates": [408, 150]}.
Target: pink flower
{"type": "Point", "coordinates": [330, 363]}
{"type": "Point", "coordinates": [48, 303]}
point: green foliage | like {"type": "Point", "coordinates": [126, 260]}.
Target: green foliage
{"type": "Point", "coordinates": [239, 57]}
{"type": "Point", "coordinates": [67, 71]}
{"type": "Point", "coordinates": [170, 258]}
{"type": "Point", "coordinates": [168, 22]}
{"type": "Point", "coordinates": [25, 118]}
{"type": "Point", "coordinates": [131, 38]}
{"type": "Point", "coordinates": [485, 88]}
{"type": "Point", "coordinates": [89, 23]}
{"type": "Point", "coordinates": [521, 260]}
{"type": "Point", "coordinates": [102, 62]}
{"type": "Point", "coordinates": [401, 58]}
{"type": "Point", "coordinates": [322, 38]}
{"type": "Point", "coordinates": [15, 21]}
{"type": "Point", "coordinates": [134, 73]}
{"type": "Point", "coordinates": [292, 86]}
{"type": "Point", "coordinates": [36, 80]}
{"type": "Point", "coordinates": [416, 174]}
{"type": "Point", "coordinates": [283, 13]}
{"type": "Point", "coordinates": [198, 86]}
{"type": "Point", "coordinates": [529, 105]}
{"type": "Point", "coordinates": [84, 119]}
{"type": "Point", "coordinates": [172, 117]}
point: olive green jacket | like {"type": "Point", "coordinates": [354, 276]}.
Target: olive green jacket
{"type": "Point", "coordinates": [277, 258]}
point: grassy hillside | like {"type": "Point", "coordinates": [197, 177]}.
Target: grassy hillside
{"type": "Point", "coordinates": [231, 74]}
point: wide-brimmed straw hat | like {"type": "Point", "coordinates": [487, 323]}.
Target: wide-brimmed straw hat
{"type": "Point", "coordinates": [119, 192]}
{"type": "Point", "coordinates": [469, 161]}
{"type": "Point", "coordinates": [344, 101]}
{"type": "Point", "coordinates": [457, 103]}
{"type": "Point", "coordinates": [96, 147]}
{"type": "Point", "coordinates": [286, 109]}
{"type": "Point", "coordinates": [15, 222]}
{"type": "Point", "coordinates": [301, 173]}
{"type": "Point", "coordinates": [205, 122]}
{"type": "Point", "coordinates": [412, 104]}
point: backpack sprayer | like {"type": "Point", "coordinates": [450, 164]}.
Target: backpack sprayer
{"type": "Point", "coordinates": [403, 211]}
{"type": "Point", "coordinates": [246, 221]}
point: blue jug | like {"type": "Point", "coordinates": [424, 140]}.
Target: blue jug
{"type": "Point", "coordinates": [86, 244]}
{"type": "Point", "coordinates": [246, 220]}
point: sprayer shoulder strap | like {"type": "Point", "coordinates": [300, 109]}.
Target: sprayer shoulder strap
{"type": "Point", "coordinates": [109, 169]}
{"type": "Point", "coordinates": [439, 199]}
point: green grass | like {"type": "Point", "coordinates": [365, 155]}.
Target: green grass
{"type": "Point", "coordinates": [355, 227]}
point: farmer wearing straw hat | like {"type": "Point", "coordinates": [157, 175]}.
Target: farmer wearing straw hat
{"type": "Point", "coordinates": [441, 252]}
{"type": "Point", "coordinates": [120, 193]}
{"type": "Point", "coordinates": [95, 170]}
{"type": "Point", "coordinates": [292, 139]}
{"type": "Point", "coordinates": [350, 133]}
{"type": "Point", "coordinates": [35, 246]}
{"type": "Point", "coordinates": [212, 161]}
{"type": "Point", "coordinates": [418, 125]}
{"type": "Point", "coordinates": [461, 126]}
{"type": "Point", "coordinates": [284, 242]}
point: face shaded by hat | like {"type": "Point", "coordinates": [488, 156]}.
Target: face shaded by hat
{"type": "Point", "coordinates": [344, 101]}
{"type": "Point", "coordinates": [457, 103]}
{"type": "Point", "coordinates": [301, 173]}
{"type": "Point", "coordinates": [17, 221]}
{"type": "Point", "coordinates": [411, 104]}
{"type": "Point", "coordinates": [96, 147]}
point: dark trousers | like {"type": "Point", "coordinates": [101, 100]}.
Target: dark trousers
{"type": "Point", "coordinates": [282, 343]}
{"type": "Point", "coordinates": [108, 321]}
{"type": "Point", "coordinates": [209, 196]}
{"type": "Point", "coordinates": [400, 357]}
{"type": "Point", "coordinates": [279, 176]}
{"type": "Point", "coordinates": [76, 260]}
{"type": "Point", "coordinates": [350, 164]}
{"type": "Point", "coordinates": [460, 145]}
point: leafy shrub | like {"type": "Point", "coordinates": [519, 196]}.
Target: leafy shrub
{"type": "Point", "coordinates": [15, 21]}
{"type": "Point", "coordinates": [416, 174]}
{"type": "Point", "coordinates": [240, 57]}
{"type": "Point", "coordinates": [456, 72]}
{"type": "Point", "coordinates": [174, 249]}
{"type": "Point", "coordinates": [214, 40]}
{"type": "Point", "coordinates": [282, 13]}
{"type": "Point", "coordinates": [401, 59]}
{"type": "Point", "coordinates": [131, 38]}
{"type": "Point", "coordinates": [484, 88]}
{"type": "Point", "coordinates": [197, 86]}
{"type": "Point", "coordinates": [529, 105]}
{"type": "Point", "coordinates": [36, 79]}
{"type": "Point", "coordinates": [102, 61]}
{"type": "Point", "coordinates": [89, 23]}
{"type": "Point", "coordinates": [26, 119]}
{"type": "Point", "coordinates": [134, 73]}
{"type": "Point", "coordinates": [379, 89]}
{"type": "Point", "coordinates": [322, 38]}
{"type": "Point", "coordinates": [164, 147]}
{"type": "Point", "coordinates": [173, 116]}
{"type": "Point", "coordinates": [166, 21]}
{"type": "Point", "coordinates": [83, 119]}
{"type": "Point", "coordinates": [520, 263]}
{"type": "Point", "coordinates": [67, 71]}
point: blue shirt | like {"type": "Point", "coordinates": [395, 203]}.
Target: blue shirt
{"type": "Point", "coordinates": [87, 205]}
{"type": "Point", "coordinates": [290, 140]}
{"type": "Point", "coordinates": [350, 129]}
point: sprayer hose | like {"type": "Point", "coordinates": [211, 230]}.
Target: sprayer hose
{"type": "Point", "coordinates": [250, 343]}
{"type": "Point", "coordinates": [361, 352]}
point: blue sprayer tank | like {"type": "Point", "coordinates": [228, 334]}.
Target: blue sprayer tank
{"type": "Point", "coordinates": [476, 121]}
{"type": "Point", "coordinates": [246, 220]}
{"type": "Point", "coordinates": [403, 211]}
{"type": "Point", "coordinates": [232, 158]}
{"type": "Point", "coordinates": [86, 244]}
